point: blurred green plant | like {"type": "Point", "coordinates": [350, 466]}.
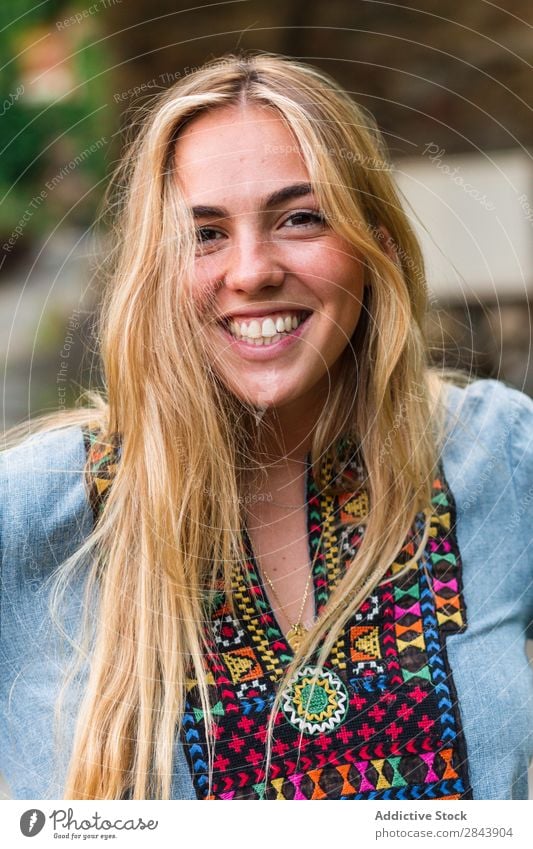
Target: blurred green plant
{"type": "Point", "coordinates": [46, 138]}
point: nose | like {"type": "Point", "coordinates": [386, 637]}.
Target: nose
{"type": "Point", "coordinates": [251, 263]}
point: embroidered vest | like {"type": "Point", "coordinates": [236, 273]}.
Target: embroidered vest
{"type": "Point", "coordinates": [380, 719]}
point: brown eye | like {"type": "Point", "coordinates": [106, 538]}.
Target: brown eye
{"type": "Point", "coordinates": [305, 219]}
{"type": "Point", "coordinates": [206, 238]}
{"type": "Point", "coordinates": [207, 234]}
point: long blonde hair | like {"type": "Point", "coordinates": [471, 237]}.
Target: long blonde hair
{"type": "Point", "coordinates": [173, 515]}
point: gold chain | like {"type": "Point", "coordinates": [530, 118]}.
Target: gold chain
{"type": "Point", "coordinates": [297, 630]}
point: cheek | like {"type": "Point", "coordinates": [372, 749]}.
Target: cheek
{"type": "Point", "coordinates": [346, 310]}
{"type": "Point", "coordinates": [339, 268]}
{"type": "Point", "coordinates": [353, 288]}
{"type": "Point", "coordinates": [203, 289]}
{"type": "Point", "coordinates": [344, 294]}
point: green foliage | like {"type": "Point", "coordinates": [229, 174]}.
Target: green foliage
{"type": "Point", "coordinates": [17, 15]}
{"type": "Point", "coordinates": [40, 139]}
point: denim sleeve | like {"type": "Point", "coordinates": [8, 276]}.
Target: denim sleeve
{"type": "Point", "coordinates": [44, 516]}
{"type": "Point", "coordinates": [491, 456]}
{"type": "Point", "coordinates": [487, 461]}
{"type": "Point", "coordinates": [521, 449]}
{"type": "Point", "coordinates": [43, 502]}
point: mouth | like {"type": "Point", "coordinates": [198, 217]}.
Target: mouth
{"type": "Point", "coordinates": [267, 330]}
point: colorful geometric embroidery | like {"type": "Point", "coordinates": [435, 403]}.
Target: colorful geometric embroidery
{"type": "Point", "coordinates": [227, 631]}
{"type": "Point", "coordinates": [102, 463]}
{"type": "Point", "coordinates": [379, 720]}
{"type": "Point", "coordinates": [364, 643]}
{"type": "Point", "coordinates": [316, 702]}
{"type": "Point", "coordinates": [242, 665]}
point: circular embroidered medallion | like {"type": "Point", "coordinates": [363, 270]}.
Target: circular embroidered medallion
{"type": "Point", "coordinates": [316, 701]}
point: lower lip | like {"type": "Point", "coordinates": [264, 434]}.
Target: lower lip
{"type": "Point", "coordinates": [266, 352]}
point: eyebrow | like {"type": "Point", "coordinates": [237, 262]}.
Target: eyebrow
{"type": "Point", "coordinates": [297, 190]}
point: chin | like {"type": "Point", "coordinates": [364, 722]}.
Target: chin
{"type": "Point", "coordinates": [271, 390]}
{"type": "Point", "coordinates": [268, 402]}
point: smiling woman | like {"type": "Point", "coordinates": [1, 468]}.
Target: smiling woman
{"type": "Point", "coordinates": [268, 256]}
{"type": "Point", "coordinates": [277, 550]}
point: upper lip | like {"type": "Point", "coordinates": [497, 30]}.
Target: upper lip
{"type": "Point", "coordinates": [258, 312]}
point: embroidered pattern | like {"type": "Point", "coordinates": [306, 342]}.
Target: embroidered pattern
{"type": "Point", "coordinates": [316, 702]}
{"type": "Point", "coordinates": [379, 720]}
{"type": "Point", "coordinates": [102, 463]}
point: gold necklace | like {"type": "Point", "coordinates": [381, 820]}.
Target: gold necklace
{"type": "Point", "coordinates": [297, 630]}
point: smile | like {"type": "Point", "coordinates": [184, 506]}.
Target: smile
{"type": "Point", "coordinates": [265, 330]}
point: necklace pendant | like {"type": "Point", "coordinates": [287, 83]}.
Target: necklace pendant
{"type": "Point", "coordinates": [295, 636]}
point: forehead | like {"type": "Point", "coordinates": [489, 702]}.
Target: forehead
{"type": "Point", "coordinates": [237, 152]}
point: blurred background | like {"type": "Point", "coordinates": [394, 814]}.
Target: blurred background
{"type": "Point", "coordinates": [448, 82]}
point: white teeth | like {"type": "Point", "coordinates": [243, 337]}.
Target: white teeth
{"type": "Point", "coordinates": [265, 331]}
{"type": "Point", "coordinates": [268, 328]}
{"type": "Point", "coordinates": [254, 330]}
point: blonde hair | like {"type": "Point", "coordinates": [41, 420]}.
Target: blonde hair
{"type": "Point", "coordinates": [173, 515]}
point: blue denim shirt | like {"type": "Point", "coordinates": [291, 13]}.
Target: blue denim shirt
{"type": "Point", "coordinates": [488, 462]}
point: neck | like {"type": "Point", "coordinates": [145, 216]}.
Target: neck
{"type": "Point", "coordinates": [287, 431]}
{"type": "Point", "coordinates": [286, 435]}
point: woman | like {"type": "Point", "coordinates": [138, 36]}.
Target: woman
{"type": "Point", "coordinates": [268, 548]}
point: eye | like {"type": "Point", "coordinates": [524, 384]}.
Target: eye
{"type": "Point", "coordinates": [207, 234]}
{"type": "Point", "coordinates": [305, 218]}
{"type": "Point", "coordinates": [206, 237]}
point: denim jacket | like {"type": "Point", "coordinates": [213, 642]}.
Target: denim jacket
{"type": "Point", "coordinates": [488, 462]}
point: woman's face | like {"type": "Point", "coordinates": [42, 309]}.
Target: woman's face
{"type": "Point", "coordinates": [280, 291]}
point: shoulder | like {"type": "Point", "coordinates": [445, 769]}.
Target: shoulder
{"type": "Point", "coordinates": [488, 401]}
{"type": "Point", "coordinates": [41, 466]}
{"type": "Point", "coordinates": [489, 422]}
{"type": "Point", "coordinates": [487, 456]}
{"type": "Point", "coordinates": [44, 506]}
